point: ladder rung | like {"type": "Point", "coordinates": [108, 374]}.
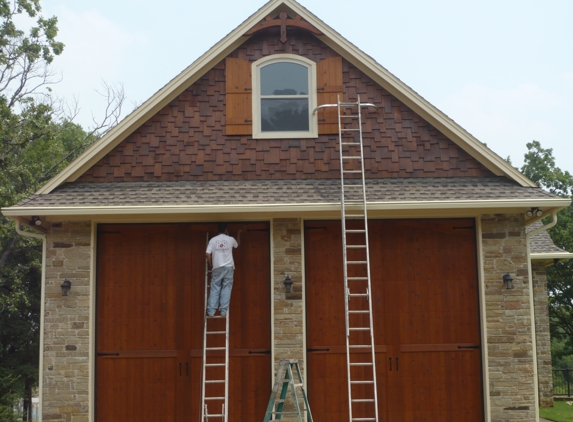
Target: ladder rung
{"type": "Point", "coordinates": [361, 382]}
{"type": "Point", "coordinates": [358, 312]}
{"type": "Point", "coordinates": [216, 332]}
{"type": "Point", "coordinates": [214, 398]}
{"type": "Point", "coordinates": [215, 364]}
{"type": "Point", "coordinates": [360, 346]}
{"type": "Point", "coordinates": [349, 115]}
{"type": "Point", "coordinates": [363, 419]}
{"type": "Point", "coordinates": [355, 231]}
{"type": "Point", "coordinates": [215, 348]}
{"type": "Point", "coordinates": [282, 413]}
{"type": "Point", "coordinates": [351, 157]}
{"type": "Point", "coordinates": [356, 262]}
{"type": "Point", "coordinates": [352, 171]}
{"type": "Point", "coordinates": [356, 278]}
{"type": "Point", "coordinates": [358, 294]}
{"type": "Point", "coordinates": [363, 400]}
{"type": "Point", "coordinates": [212, 415]}
{"type": "Point", "coordinates": [214, 381]}
{"type": "Point", "coordinates": [356, 246]}
{"type": "Point", "coordinates": [361, 364]}
{"type": "Point", "coordinates": [216, 316]}
{"type": "Point", "coordinates": [350, 130]}
{"type": "Point", "coordinates": [360, 329]}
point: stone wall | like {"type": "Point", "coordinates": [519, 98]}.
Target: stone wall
{"type": "Point", "coordinates": [288, 307]}
{"type": "Point", "coordinates": [544, 373]}
{"type": "Point", "coordinates": [66, 329]}
{"type": "Point", "coordinates": [508, 321]}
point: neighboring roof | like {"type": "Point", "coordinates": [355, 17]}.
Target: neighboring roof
{"type": "Point", "coordinates": [284, 195]}
{"type": "Point", "coordinates": [542, 246]}
{"type": "Point", "coordinates": [331, 38]}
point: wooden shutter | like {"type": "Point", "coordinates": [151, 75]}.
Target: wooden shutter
{"type": "Point", "coordinates": [329, 86]}
{"type": "Point", "coordinates": [239, 97]}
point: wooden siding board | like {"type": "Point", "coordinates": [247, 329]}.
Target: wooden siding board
{"type": "Point", "coordinates": [192, 138]}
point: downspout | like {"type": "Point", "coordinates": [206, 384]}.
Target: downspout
{"type": "Point", "coordinates": [42, 311]}
{"type": "Point", "coordinates": [528, 237]}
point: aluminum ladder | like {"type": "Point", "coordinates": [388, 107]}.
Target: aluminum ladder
{"type": "Point", "coordinates": [360, 353]}
{"type": "Point", "coordinates": [215, 373]}
{"type": "Point", "coordinates": [285, 378]}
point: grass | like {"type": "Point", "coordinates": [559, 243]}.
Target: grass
{"type": "Point", "coordinates": [561, 412]}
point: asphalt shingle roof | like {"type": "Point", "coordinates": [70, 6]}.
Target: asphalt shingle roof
{"type": "Point", "coordinates": [541, 242]}
{"type": "Point", "coordinates": [280, 192]}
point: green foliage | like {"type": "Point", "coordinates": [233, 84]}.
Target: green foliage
{"type": "Point", "coordinates": [540, 167]}
{"type": "Point", "coordinates": [35, 143]}
{"type": "Point", "coordinates": [8, 397]}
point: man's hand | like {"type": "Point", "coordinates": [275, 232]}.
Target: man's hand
{"type": "Point", "coordinates": [208, 258]}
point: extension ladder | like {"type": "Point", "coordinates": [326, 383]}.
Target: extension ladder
{"type": "Point", "coordinates": [288, 368]}
{"type": "Point", "coordinates": [215, 378]}
{"type": "Point", "coordinates": [360, 353]}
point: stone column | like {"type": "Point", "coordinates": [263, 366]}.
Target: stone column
{"type": "Point", "coordinates": [288, 307]}
{"type": "Point", "coordinates": [508, 319]}
{"type": "Point", "coordinates": [66, 327]}
{"type": "Point", "coordinates": [544, 368]}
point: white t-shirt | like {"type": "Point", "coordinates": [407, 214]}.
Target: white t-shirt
{"type": "Point", "coordinates": [221, 248]}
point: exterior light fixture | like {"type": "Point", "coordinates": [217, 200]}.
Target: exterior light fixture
{"type": "Point", "coordinates": [534, 212]}
{"type": "Point", "coordinates": [288, 284]}
{"type": "Point", "coordinates": [66, 286]}
{"type": "Point", "coordinates": [35, 221]}
{"type": "Point", "coordinates": [508, 281]}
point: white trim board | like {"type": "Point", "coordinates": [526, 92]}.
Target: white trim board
{"type": "Point", "coordinates": [486, 205]}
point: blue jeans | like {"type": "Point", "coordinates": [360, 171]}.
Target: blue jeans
{"type": "Point", "coordinates": [220, 294]}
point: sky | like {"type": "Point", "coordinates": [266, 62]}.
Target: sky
{"type": "Point", "coordinates": [502, 69]}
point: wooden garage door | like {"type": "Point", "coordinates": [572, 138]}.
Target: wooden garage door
{"type": "Point", "coordinates": [150, 304]}
{"type": "Point", "coordinates": [426, 320]}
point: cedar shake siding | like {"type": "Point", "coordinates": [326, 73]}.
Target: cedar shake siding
{"type": "Point", "coordinates": [187, 139]}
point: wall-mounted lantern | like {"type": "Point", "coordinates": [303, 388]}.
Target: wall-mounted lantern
{"type": "Point", "coordinates": [508, 281]}
{"type": "Point", "coordinates": [288, 284]}
{"type": "Point", "coordinates": [66, 286]}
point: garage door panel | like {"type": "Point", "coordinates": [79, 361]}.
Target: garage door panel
{"type": "Point", "coordinates": [424, 291]}
{"type": "Point", "coordinates": [134, 386]}
{"type": "Point", "coordinates": [151, 296]}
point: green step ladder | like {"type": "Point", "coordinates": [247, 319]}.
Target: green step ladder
{"type": "Point", "coordinates": [285, 379]}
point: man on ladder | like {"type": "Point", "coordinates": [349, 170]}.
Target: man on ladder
{"type": "Point", "coordinates": [215, 379]}
{"type": "Point", "coordinates": [219, 254]}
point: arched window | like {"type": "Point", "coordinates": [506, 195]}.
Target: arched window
{"type": "Point", "coordinates": [284, 88]}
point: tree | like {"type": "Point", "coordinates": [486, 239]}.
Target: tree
{"type": "Point", "coordinates": [540, 167]}
{"type": "Point", "coordinates": [37, 139]}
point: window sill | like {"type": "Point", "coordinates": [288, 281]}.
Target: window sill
{"type": "Point", "coordinates": [285, 135]}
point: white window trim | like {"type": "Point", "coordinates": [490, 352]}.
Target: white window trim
{"type": "Point", "coordinates": [313, 120]}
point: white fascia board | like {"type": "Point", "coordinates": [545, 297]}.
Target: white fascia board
{"type": "Point", "coordinates": [196, 70]}
{"type": "Point", "coordinates": [551, 256]}
{"type": "Point", "coordinates": [428, 112]}
{"type": "Point", "coordinates": [159, 100]}
{"type": "Point", "coordinates": [412, 99]}
{"type": "Point", "coordinates": [486, 206]}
